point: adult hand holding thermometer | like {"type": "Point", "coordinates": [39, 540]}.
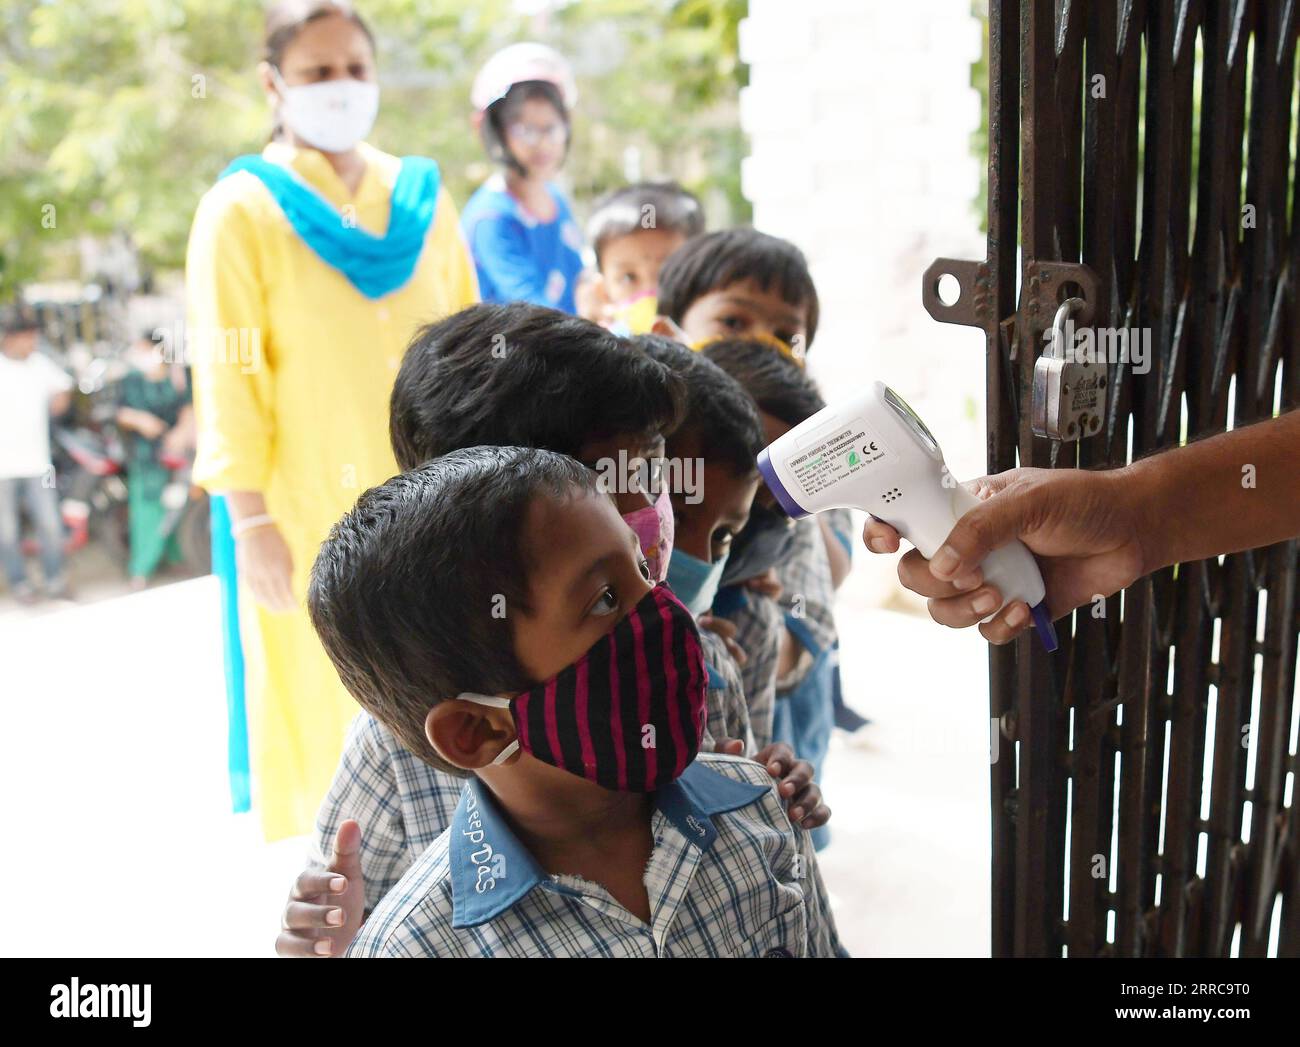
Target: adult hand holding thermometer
{"type": "Point", "coordinates": [873, 452]}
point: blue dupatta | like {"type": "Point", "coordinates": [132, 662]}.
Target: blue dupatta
{"type": "Point", "coordinates": [375, 265]}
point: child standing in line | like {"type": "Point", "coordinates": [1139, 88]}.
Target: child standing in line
{"type": "Point", "coordinates": [722, 429]}
{"type": "Point", "coordinates": [740, 283]}
{"type": "Point", "coordinates": [785, 395]}
{"type": "Point", "coordinates": [632, 231]}
{"type": "Point", "coordinates": [588, 712]}
{"type": "Point", "coordinates": [518, 224]}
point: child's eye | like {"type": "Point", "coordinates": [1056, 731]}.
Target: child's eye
{"type": "Point", "coordinates": [734, 323]}
{"type": "Point", "coordinates": [606, 602]}
{"type": "Point", "coordinates": [645, 569]}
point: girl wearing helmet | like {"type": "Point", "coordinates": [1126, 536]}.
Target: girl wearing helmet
{"type": "Point", "coordinates": [520, 228]}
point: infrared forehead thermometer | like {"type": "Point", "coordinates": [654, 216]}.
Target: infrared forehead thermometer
{"type": "Point", "coordinates": [872, 452]}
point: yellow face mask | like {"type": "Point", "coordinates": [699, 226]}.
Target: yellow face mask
{"type": "Point", "coordinates": [637, 316]}
{"type": "Point", "coordinates": [763, 338]}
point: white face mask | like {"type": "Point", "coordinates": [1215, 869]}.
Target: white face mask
{"type": "Point", "coordinates": [333, 115]}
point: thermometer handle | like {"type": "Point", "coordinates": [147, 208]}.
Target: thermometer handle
{"type": "Point", "coordinates": [1013, 571]}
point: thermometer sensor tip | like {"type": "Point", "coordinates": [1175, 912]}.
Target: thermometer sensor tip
{"type": "Point", "coordinates": [768, 472]}
{"type": "Point", "coordinates": [1043, 626]}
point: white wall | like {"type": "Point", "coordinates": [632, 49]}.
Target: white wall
{"type": "Point", "coordinates": [860, 115]}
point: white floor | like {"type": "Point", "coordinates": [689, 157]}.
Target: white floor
{"type": "Point", "coordinates": [119, 841]}
{"type": "Point", "coordinates": [908, 864]}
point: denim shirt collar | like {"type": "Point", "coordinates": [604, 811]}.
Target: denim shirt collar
{"type": "Point", "coordinates": [491, 870]}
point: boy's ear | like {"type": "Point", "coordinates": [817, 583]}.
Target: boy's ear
{"type": "Point", "coordinates": [468, 735]}
{"type": "Point", "coordinates": [665, 327]}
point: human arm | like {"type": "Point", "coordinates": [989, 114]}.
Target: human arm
{"type": "Point", "coordinates": [233, 391]}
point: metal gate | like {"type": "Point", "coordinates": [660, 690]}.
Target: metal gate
{"type": "Point", "coordinates": [1141, 157]}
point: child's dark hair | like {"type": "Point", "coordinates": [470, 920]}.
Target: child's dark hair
{"type": "Point", "coordinates": [716, 260]}
{"type": "Point", "coordinates": [623, 212]}
{"type": "Point", "coordinates": [407, 589]}
{"type": "Point", "coordinates": [502, 112]}
{"type": "Point", "coordinates": [778, 385]}
{"type": "Point", "coordinates": [525, 375]}
{"type": "Point", "coordinates": [718, 410]}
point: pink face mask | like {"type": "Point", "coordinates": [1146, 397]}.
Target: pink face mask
{"type": "Point", "coordinates": [654, 529]}
{"type": "Point", "coordinates": [629, 714]}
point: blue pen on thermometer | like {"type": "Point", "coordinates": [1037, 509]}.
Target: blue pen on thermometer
{"type": "Point", "coordinates": [872, 452]}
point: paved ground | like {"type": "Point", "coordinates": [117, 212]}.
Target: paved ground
{"type": "Point", "coordinates": [121, 841]}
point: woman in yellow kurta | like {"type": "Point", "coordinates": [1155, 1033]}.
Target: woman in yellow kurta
{"type": "Point", "coordinates": [294, 358]}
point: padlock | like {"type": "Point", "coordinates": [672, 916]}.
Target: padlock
{"type": "Point", "coordinates": [1068, 400]}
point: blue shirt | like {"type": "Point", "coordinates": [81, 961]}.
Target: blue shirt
{"type": "Point", "coordinates": [520, 258]}
{"type": "Point", "coordinates": [729, 876]}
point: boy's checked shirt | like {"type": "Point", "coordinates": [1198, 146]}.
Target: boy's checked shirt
{"type": "Point", "coordinates": [729, 876]}
{"type": "Point", "coordinates": [403, 804]}
{"type": "Point", "coordinates": [759, 621]}
{"type": "Point", "coordinates": [805, 609]}
{"type": "Point", "coordinates": [726, 707]}
{"type": "Point", "coordinates": [807, 592]}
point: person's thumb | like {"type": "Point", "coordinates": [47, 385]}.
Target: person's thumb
{"type": "Point", "coordinates": [987, 526]}
{"type": "Point", "coordinates": [347, 850]}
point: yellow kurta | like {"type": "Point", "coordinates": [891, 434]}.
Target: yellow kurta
{"type": "Point", "coordinates": [292, 400]}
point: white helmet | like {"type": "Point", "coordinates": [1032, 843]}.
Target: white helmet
{"type": "Point", "coordinates": [515, 65]}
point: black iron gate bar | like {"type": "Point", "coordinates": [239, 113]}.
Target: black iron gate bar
{"type": "Point", "coordinates": [1121, 129]}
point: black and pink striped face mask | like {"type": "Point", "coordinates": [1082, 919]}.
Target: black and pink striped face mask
{"type": "Point", "coordinates": [629, 714]}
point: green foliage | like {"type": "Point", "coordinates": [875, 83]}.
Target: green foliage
{"type": "Point", "coordinates": [120, 113]}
